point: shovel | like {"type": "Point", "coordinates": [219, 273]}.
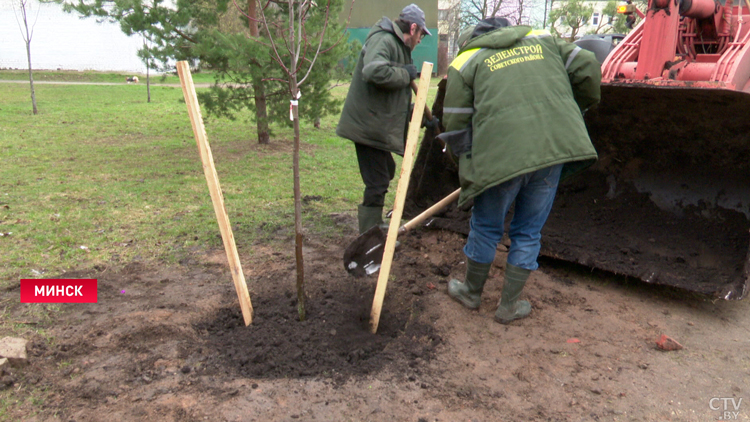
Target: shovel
{"type": "Point", "coordinates": [364, 254]}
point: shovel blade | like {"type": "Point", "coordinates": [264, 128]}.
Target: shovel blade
{"type": "Point", "coordinates": [364, 255]}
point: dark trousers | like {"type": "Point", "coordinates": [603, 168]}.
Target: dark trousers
{"type": "Point", "coordinates": [377, 169]}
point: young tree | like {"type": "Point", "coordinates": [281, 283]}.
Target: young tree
{"type": "Point", "coordinates": [24, 9]}
{"type": "Point", "coordinates": [298, 44]}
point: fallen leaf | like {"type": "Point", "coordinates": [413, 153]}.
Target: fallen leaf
{"type": "Point", "coordinates": [573, 340]}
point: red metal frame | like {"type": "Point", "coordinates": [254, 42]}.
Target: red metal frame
{"type": "Point", "coordinates": [708, 46]}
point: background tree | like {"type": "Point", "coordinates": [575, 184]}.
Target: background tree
{"type": "Point", "coordinates": [518, 12]}
{"type": "Point", "coordinates": [569, 17]}
{"type": "Point", "coordinates": [473, 11]}
{"type": "Point", "coordinates": [611, 22]}
{"type": "Point", "coordinates": [22, 17]}
{"type": "Point", "coordinates": [211, 35]}
{"type": "Point", "coordinates": [567, 20]}
{"type": "Point", "coordinates": [619, 22]}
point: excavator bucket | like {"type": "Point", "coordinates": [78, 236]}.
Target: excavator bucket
{"type": "Point", "coordinates": [668, 202]}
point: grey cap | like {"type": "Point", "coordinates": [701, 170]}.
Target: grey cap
{"type": "Point", "coordinates": [412, 13]}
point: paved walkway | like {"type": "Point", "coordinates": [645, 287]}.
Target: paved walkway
{"type": "Point", "coordinates": [199, 85]}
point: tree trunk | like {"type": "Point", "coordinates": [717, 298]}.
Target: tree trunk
{"type": "Point", "coordinates": [148, 82]}
{"type": "Point", "coordinates": [261, 111]}
{"type": "Point", "coordinates": [298, 209]}
{"type": "Point", "coordinates": [31, 78]}
{"type": "Point", "coordinates": [27, 38]}
{"type": "Point", "coordinates": [148, 74]}
{"type": "Point", "coordinates": [252, 21]}
{"type": "Point", "coordinates": [295, 165]}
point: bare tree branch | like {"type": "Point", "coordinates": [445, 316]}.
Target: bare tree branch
{"type": "Point", "coordinates": [276, 56]}
{"type": "Point", "coordinates": [320, 43]}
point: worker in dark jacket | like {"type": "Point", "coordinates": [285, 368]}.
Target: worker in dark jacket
{"type": "Point", "coordinates": [519, 94]}
{"type": "Point", "coordinates": [375, 115]}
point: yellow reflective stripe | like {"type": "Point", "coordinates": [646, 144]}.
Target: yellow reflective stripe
{"type": "Point", "coordinates": [538, 33]}
{"type": "Point", "coordinates": [464, 57]}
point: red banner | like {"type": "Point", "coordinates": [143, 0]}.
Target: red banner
{"type": "Point", "coordinates": [58, 290]}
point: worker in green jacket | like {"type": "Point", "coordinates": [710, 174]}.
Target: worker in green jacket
{"type": "Point", "coordinates": [514, 99]}
{"type": "Point", "coordinates": [375, 115]}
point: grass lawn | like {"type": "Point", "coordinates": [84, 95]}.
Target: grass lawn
{"type": "Point", "coordinates": [101, 177]}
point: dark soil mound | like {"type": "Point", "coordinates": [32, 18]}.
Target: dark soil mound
{"type": "Point", "coordinates": [334, 340]}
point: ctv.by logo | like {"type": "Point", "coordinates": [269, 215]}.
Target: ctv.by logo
{"type": "Point", "coordinates": [729, 406]}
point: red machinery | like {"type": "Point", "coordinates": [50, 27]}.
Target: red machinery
{"type": "Point", "coordinates": [672, 186]}
{"type": "Point", "coordinates": [696, 43]}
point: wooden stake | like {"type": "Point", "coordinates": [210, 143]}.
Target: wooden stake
{"type": "Point", "coordinates": [217, 198]}
{"type": "Point", "coordinates": [403, 183]}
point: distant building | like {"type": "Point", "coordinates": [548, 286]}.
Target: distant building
{"type": "Point", "coordinates": [367, 13]}
{"type": "Point", "coordinates": [449, 26]}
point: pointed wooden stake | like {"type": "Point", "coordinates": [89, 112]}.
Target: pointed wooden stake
{"type": "Point", "coordinates": [403, 184]}
{"type": "Point", "coordinates": [217, 198]}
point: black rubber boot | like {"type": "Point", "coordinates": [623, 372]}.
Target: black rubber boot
{"type": "Point", "coordinates": [469, 293]}
{"type": "Point", "coordinates": [510, 308]}
{"type": "Point", "coordinates": [368, 217]}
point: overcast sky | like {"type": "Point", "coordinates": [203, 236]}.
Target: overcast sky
{"type": "Point", "coordinates": [63, 40]}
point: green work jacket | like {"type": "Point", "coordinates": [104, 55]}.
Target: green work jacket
{"type": "Point", "coordinates": [522, 92]}
{"type": "Point", "coordinates": [377, 105]}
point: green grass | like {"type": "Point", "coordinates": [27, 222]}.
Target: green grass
{"type": "Point", "coordinates": [95, 76]}
{"type": "Point", "coordinates": [100, 177]}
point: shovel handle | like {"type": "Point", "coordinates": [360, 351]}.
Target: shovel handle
{"type": "Point", "coordinates": [427, 111]}
{"type": "Point", "coordinates": [429, 212]}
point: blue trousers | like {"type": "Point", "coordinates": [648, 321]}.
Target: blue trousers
{"type": "Point", "coordinates": [534, 194]}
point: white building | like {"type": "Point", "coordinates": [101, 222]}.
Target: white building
{"type": "Point", "coordinates": [64, 41]}
{"type": "Point", "coordinates": [448, 26]}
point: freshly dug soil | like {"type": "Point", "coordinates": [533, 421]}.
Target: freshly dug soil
{"type": "Point", "coordinates": [333, 340]}
{"type": "Point", "coordinates": [168, 344]}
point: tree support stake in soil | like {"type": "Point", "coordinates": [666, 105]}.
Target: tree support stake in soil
{"type": "Point", "coordinates": [403, 183]}
{"type": "Point", "coordinates": [217, 198]}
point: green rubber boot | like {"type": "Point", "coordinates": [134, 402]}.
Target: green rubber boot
{"type": "Point", "coordinates": [368, 217]}
{"type": "Point", "coordinates": [469, 293]}
{"type": "Point", "coordinates": [510, 308]}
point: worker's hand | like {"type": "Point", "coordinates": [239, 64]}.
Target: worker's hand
{"type": "Point", "coordinates": [433, 124]}
{"type": "Point", "coordinates": [413, 74]}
